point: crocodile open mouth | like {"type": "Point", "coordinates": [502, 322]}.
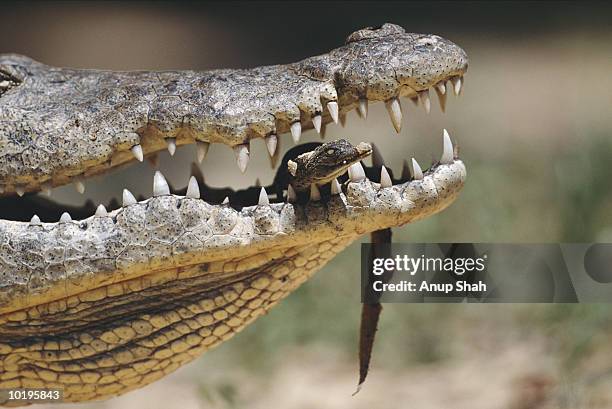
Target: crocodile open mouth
{"type": "Point", "coordinates": [103, 299]}
{"type": "Point", "coordinates": [37, 208]}
{"type": "Point", "coordinates": [30, 207]}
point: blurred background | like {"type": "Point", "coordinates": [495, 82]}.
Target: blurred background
{"type": "Point", "coordinates": [534, 126]}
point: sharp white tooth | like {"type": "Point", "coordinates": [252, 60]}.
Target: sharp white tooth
{"type": "Point", "coordinates": [20, 191]}
{"type": "Point", "coordinates": [356, 172]}
{"type": "Point", "coordinates": [332, 107]}
{"type": "Point", "coordinates": [201, 150]}
{"type": "Point", "coordinates": [291, 196]}
{"type": "Point", "coordinates": [79, 186]}
{"type": "Point", "coordinates": [271, 142]}
{"type": "Point", "coordinates": [316, 121]}
{"type": "Point", "coordinates": [315, 194]}
{"type": "Point", "coordinates": [128, 198]}
{"type": "Point", "coordinates": [101, 211]}
{"type": "Point", "coordinates": [456, 85]}
{"type": "Point", "coordinates": [441, 92]}
{"type": "Point", "coordinates": [171, 145]}
{"type": "Point", "coordinates": [335, 187]}
{"type": "Point", "coordinates": [395, 113]}
{"type": "Point", "coordinates": [226, 200]}
{"type": "Point", "coordinates": [448, 154]}
{"type": "Point", "coordinates": [137, 152]}
{"type": "Point", "coordinates": [363, 107]}
{"type": "Point", "coordinates": [242, 156]}
{"type": "Point", "coordinates": [385, 179]}
{"type": "Point", "coordinates": [296, 131]}
{"type": "Point", "coordinates": [160, 185]}
{"type": "Point", "coordinates": [193, 189]}
{"type": "Point", "coordinates": [263, 197]}
{"type": "Point", "coordinates": [424, 98]}
{"type": "Point", "coordinates": [343, 120]}
{"type": "Point", "coordinates": [35, 221]}
{"type": "Point", "coordinates": [416, 170]}
{"type": "Point", "coordinates": [65, 218]}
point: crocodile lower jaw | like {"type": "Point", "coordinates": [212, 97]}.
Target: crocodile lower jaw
{"type": "Point", "coordinates": [217, 268]}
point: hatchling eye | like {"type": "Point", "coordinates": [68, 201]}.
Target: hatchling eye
{"type": "Point", "coordinates": [330, 151]}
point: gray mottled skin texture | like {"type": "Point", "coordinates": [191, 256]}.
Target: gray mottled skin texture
{"type": "Point", "coordinates": [58, 123]}
{"type": "Point", "coordinates": [108, 304]}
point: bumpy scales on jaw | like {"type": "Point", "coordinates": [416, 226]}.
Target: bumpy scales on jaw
{"type": "Point", "coordinates": [113, 302]}
{"type": "Point", "coordinates": [60, 124]}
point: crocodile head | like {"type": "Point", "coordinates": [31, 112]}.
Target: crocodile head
{"type": "Point", "coordinates": [325, 163]}
{"type": "Point", "coordinates": [109, 299]}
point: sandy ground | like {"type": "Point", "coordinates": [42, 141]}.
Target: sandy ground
{"type": "Point", "coordinates": [518, 376]}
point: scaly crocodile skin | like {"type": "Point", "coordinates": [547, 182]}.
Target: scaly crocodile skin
{"type": "Point", "coordinates": [111, 303]}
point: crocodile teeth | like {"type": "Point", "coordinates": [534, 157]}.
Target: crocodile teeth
{"type": "Point", "coordinates": [79, 186]}
{"type": "Point", "coordinates": [332, 107]}
{"type": "Point", "coordinates": [101, 211]}
{"type": "Point", "coordinates": [20, 191]}
{"type": "Point", "coordinates": [356, 172]}
{"type": "Point", "coordinates": [406, 171]}
{"type": "Point", "coordinates": [296, 131]}
{"type": "Point", "coordinates": [316, 121]}
{"type": "Point", "coordinates": [226, 200]}
{"type": "Point", "coordinates": [441, 91]}
{"type": "Point", "coordinates": [263, 198]}
{"type": "Point", "coordinates": [193, 189]}
{"type": "Point", "coordinates": [385, 179]}
{"type": "Point", "coordinates": [441, 87]}
{"type": "Point", "coordinates": [377, 159]}
{"type": "Point", "coordinates": [271, 142]}
{"type": "Point", "coordinates": [447, 152]}
{"type": "Point", "coordinates": [160, 185]}
{"type": "Point", "coordinates": [201, 150]}
{"type": "Point", "coordinates": [456, 85]}
{"type": "Point", "coordinates": [416, 170]}
{"type": "Point", "coordinates": [65, 218]}
{"type": "Point", "coordinates": [363, 107]}
{"type": "Point", "coordinates": [424, 98]}
{"type": "Point", "coordinates": [315, 194]}
{"type": "Point", "coordinates": [242, 156]}
{"type": "Point", "coordinates": [171, 145]}
{"type": "Point", "coordinates": [137, 152]}
{"type": "Point", "coordinates": [128, 198]}
{"type": "Point", "coordinates": [395, 113]}
{"type": "Point", "coordinates": [35, 221]}
{"type": "Point", "coordinates": [291, 196]}
{"type": "Point", "coordinates": [335, 187]}
{"type": "Point", "coordinates": [343, 120]}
